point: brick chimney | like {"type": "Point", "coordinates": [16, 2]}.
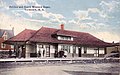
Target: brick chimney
{"type": "Point", "coordinates": [62, 26]}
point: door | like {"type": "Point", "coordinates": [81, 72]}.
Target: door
{"type": "Point", "coordinates": [47, 50]}
{"type": "Point", "coordinates": [79, 52]}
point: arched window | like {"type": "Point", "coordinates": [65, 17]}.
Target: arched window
{"type": "Point", "coordinates": [3, 45]}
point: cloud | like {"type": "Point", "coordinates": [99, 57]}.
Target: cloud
{"type": "Point", "coordinates": [48, 15]}
{"type": "Point", "coordinates": [99, 20]}
{"type": "Point", "coordinates": [72, 21]}
{"type": "Point", "coordinates": [22, 19]}
{"type": "Point", "coordinates": [51, 17]}
{"type": "Point", "coordinates": [94, 17]}
{"type": "Point", "coordinates": [85, 20]}
{"type": "Point", "coordinates": [86, 14]}
{"type": "Point", "coordinates": [91, 19]}
{"type": "Point", "coordinates": [7, 22]}
{"type": "Point", "coordinates": [1, 3]}
{"type": "Point", "coordinates": [34, 20]}
{"type": "Point", "coordinates": [81, 14]}
{"type": "Point", "coordinates": [83, 25]}
{"type": "Point", "coordinates": [22, 2]}
{"type": "Point", "coordinates": [92, 25]}
{"type": "Point", "coordinates": [107, 36]}
{"type": "Point", "coordinates": [93, 10]}
{"type": "Point", "coordinates": [100, 13]}
{"type": "Point", "coordinates": [56, 17]}
{"type": "Point", "coordinates": [108, 6]}
{"type": "Point", "coordinates": [44, 14]}
{"type": "Point", "coordinates": [57, 21]}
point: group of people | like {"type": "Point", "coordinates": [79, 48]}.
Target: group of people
{"type": "Point", "coordinates": [16, 53]}
{"type": "Point", "coordinates": [10, 53]}
{"type": "Point", "coordinates": [61, 54]}
{"type": "Point", "coordinates": [41, 53]}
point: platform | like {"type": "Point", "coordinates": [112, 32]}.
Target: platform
{"type": "Point", "coordinates": [72, 60]}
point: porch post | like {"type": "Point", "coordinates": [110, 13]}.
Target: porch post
{"type": "Point", "coordinates": [105, 50]}
{"type": "Point", "coordinates": [15, 49]}
{"type": "Point", "coordinates": [98, 52]}
{"type": "Point", "coordinates": [25, 50]}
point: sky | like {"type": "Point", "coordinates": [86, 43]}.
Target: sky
{"type": "Point", "coordinates": [100, 18]}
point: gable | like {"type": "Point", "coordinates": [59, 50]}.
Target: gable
{"type": "Point", "coordinates": [9, 33]}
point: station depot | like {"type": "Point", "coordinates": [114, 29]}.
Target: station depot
{"type": "Point", "coordinates": [51, 42]}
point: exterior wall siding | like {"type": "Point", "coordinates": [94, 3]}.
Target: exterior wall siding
{"type": "Point", "coordinates": [90, 52]}
{"type": "Point", "coordinates": [52, 50]}
{"type": "Point", "coordinates": [30, 49]}
{"type": "Point", "coordinates": [72, 53]}
{"type": "Point", "coordinates": [110, 49]}
{"type": "Point", "coordinates": [7, 47]}
{"type": "Point", "coordinates": [49, 49]}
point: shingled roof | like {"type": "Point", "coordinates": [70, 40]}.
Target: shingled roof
{"type": "Point", "coordinates": [25, 35]}
{"type": "Point", "coordinates": [80, 38]}
{"type": "Point", "coordinates": [45, 35]}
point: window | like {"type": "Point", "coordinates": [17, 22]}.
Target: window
{"type": "Point", "coordinates": [62, 47]}
{"type": "Point", "coordinates": [3, 45]}
{"type": "Point", "coordinates": [96, 52]}
{"type": "Point", "coordinates": [65, 47]}
{"type": "Point", "coordinates": [40, 46]}
{"type": "Point", "coordinates": [65, 38]}
{"type": "Point", "coordinates": [85, 50]}
{"type": "Point", "coordinates": [74, 49]}
{"type": "Point", "coordinates": [12, 46]}
{"type": "Point", "coordinates": [5, 36]}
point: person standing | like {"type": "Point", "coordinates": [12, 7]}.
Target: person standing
{"type": "Point", "coordinates": [39, 53]}
{"type": "Point", "coordinates": [56, 54]}
{"type": "Point", "coordinates": [10, 53]}
{"type": "Point", "coordinates": [20, 52]}
{"type": "Point", "coordinates": [43, 52]}
{"type": "Point", "coordinates": [65, 53]}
